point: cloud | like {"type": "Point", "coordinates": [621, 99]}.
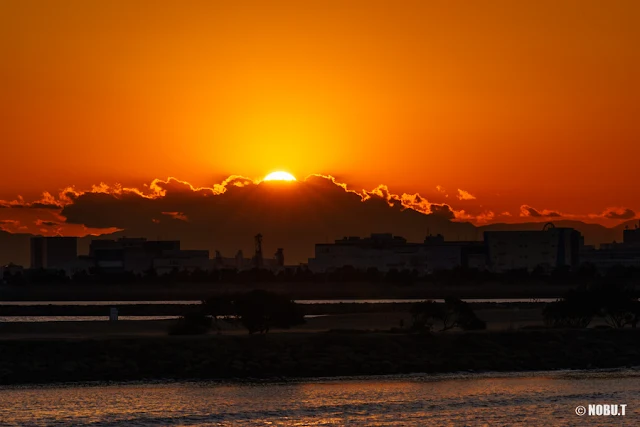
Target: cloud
{"type": "Point", "coordinates": [619, 213]}
{"type": "Point", "coordinates": [227, 215]}
{"type": "Point", "coordinates": [291, 215]}
{"type": "Point", "coordinates": [528, 211]}
{"type": "Point", "coordinates": [440, 189]}
{"type": "Point", "coordinates": [481, 218]}
{"type": "Point", "coordinates": [12, 226]}
{"type": "Point", "coordinates": [46, 201]}
{"type": "Point", "coordinates": [40, 222]}
{"type": "Point", "coordinates": [414, 201]}
{"type": "Point", "coordinates": [48, 222]}
{"type": "Point", "coordinates": [157, 189]}
{"type": "Point", "coordinates": [176, 215]}
{"type": "Point", "coordinates": [465, 195]}
{"type": "Point", "coordinates": [443, 211]}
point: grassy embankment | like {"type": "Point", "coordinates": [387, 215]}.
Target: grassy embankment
{"type": "Point", "coordinates": [311, 354]}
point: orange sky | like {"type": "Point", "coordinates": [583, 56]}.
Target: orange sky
{"type": "Point", "coordinates": [528, 102]}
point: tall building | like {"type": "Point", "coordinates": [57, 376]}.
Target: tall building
{"type": "Point", "coordinates": [631, 236]}
{"type": "Point", "coordinates": [386, 252]}
{"type": "Point", "coordinates": [129, 254]}
{"type": "Point", "coordinates": [53, 252]}
{"type": "Point", "coordinates": [240, 263]}
{"type": "Point", "coordinates": [610, 255]}
{"type": "Point", "coordinates": [181, 260]}
{"type": "Point", "coordinates": [548, 248]}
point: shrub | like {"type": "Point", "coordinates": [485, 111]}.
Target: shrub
{"type": "Point", "coordinates": [618, 306]}
{"type": "Point", "coordinates": [259, 311]}
{"type": "Point", "coordinates": [454, 313]}
{"type": "Point", "coordinates": [192, 324]}
{"type": "Point", "coordinates": [461, 315]}
{"type": "Point", "coordinates": [425, 314]}
{"type": "Point", "coordinates": [568, 313]}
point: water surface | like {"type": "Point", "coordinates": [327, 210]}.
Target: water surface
{"type": "Point", "coordinates": [302, 301]}
{"type": "Point", "coordinates": [546, 398]}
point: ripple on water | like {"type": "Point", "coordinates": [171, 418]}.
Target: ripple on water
{"type": "Point", "coordinates": [412, 400]}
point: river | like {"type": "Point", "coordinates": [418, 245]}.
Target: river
{"type": "Point", "coordinates": [302, 301]}
{"type": "Point", "coordinates": [543, 398]}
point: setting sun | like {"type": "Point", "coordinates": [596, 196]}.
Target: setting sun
{"type": "Point", "coordinates": [280, 176]}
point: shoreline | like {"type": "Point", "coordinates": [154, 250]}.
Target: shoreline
{"type": "Point", "coordinates": [294, 290]}
{"type": "Point", "coordinates": [319, 318]}
{"type": "Point", "coordinates": [632, 371]}
{"type": "Point", "coordinates": [323, 308]}
{"type": "Point", "coordinates": [311, 355]}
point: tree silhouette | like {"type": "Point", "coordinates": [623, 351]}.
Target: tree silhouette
{"type": "Point", "coordinates": [219, 308]}
{"type": "Point", "coordinates": [454, 313]}
{"type": "Point", "coordinates": [192, 324]}
{"type": "Point", "coordinates": [424, 314]}
{"type": "Point", "coordinates": [260, 311]}
{"type": "Point", "coordinates": [617, 305]}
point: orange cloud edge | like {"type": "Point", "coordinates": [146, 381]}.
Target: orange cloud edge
{"type": "Point", "coordinates": [158, 189]}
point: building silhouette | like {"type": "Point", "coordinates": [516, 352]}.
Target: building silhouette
{"type": "Point", "coordinates": [549, 248]}
{"type": "Point", "coordinates": [181, 260]}
{"type": "Point", "coordinates": [53, 252]}
{"type": "Point", "coordinates": [138, 255]}
{"type": "Point", "coordinates": [631, 236]}
{"type": "Point", "coordinates": [609, 255]}
{"type": "Point", "coordinates": [384, 252]}
{"type": "Point", "coordinates": [258, 261]}
{"type": "Point", "coordinates": [279, 257]}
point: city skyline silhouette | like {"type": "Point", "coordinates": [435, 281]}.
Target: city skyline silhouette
{"type": "Point", "coordinates": [294, 215]}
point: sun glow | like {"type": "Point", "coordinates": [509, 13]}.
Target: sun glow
{"type": "Point", "coordinates": [280, 176]}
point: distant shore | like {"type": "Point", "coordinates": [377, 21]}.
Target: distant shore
{"type": "Point", "coordinates": [24, 309]}
{"type": "Point", "coordinates": [299, 355]}
{"type": "Point", "coordinates": [295, 290]}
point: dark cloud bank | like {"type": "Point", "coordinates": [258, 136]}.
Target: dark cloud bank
{"type": "Point", "coordinates": [293, 216]}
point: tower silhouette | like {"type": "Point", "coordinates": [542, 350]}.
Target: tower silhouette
{"type": "Point", "coordinates": [258, 260]}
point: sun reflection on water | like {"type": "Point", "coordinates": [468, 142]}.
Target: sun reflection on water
{"type": "Point", "coordinates": [547, 398]}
